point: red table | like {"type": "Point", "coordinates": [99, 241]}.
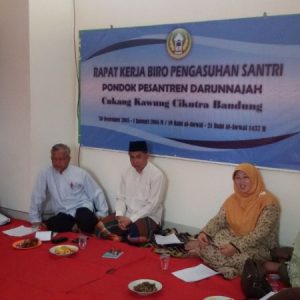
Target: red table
{"type": "Point", "coordinates": [38, 274]}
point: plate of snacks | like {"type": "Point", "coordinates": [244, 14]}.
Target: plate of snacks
{"type": "Point", "coordinates": [27, 244]}
{"type": "Point", "coordinates": [63, 250]}
{"type": "Point", "coordinates": [145, 287]}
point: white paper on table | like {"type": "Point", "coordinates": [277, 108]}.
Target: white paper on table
{"type": "Point", "coordinates": [20, 231]}
{"type": "Point", "coordinates": [43, 235]}
{"type": "Point", "coordinates": [167, 239]}
{"type": "Point", "coordinates": [195, 273]}
{"type": "Point", "coordinates": [265, 297]}
{"type": "Point", "coordinates": [4, 219]}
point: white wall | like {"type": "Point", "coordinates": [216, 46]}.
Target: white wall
{"type": "Point", "coordinates": [52, 79]}
{"type": "Point", "coordinates": [196, 189]}
{"type": "Point", "coordinates": [37, 91]}
{"type": "Point", "coordinates": [38, 102]}
{"type": "Point", "coordinates": [14, 104]}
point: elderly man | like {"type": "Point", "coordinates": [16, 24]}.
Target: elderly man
{"type": "Point", "coordinates": [75, 198]}
{"type": "Point", "coordinates": [139, 204]}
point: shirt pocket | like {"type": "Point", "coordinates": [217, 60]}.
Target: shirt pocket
{"type": "Point", "coordinates": [76, 188]}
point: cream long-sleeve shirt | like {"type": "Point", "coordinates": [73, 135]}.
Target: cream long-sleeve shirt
{"type": "Point", "coordinates": [141, 194]}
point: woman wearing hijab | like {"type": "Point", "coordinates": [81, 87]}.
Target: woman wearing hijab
{"type": "Point", "coordinates": [245, 226]}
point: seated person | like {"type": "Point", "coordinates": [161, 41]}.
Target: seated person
{"type": "Point", "coordinates": [72, 192]}
{"type": "Point", "coordinates": [139, 203]}
{"type": "Point", "coordinates": [289, 272]}
{"type": "Point", "coordinates": [245, 226]}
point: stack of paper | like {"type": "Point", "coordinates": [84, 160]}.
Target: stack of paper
{"type": "Point", "coordinates": [20, 231]}
{"type": "Point", "coordinates": [3, 219]}
{"type": "Point", "coordinates": [166, 239]}
{"type": "Point", "coordinates": [112, 254]}
{"type": "Point", "coordinates": [44, 235]}
{"type": "Point", "coordinates": [195, 273]}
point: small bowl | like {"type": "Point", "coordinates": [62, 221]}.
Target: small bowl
{"type": "Point", "coordinates": [133, 284]}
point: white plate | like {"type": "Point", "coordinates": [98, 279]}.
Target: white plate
{"type": "Point", "coordinates": [217, 298]}
{"type": "Point", "coordinates": [134, 283]}
{"type": "Point", "coordinates": [19, 244]}
{"type": "Point", "coordinates": [63, 250]}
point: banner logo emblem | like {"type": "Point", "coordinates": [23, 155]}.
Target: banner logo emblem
{"type": "Point", "coordinates": [179, 43]}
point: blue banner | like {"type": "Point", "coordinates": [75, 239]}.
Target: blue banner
{"type": "Point", "coordinates": [224, 91]}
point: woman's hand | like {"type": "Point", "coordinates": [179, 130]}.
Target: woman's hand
{"type": "Point", "coordinates": [202, 240]}
{"type": "Point", "coordinates": [227, 250]}
{"type": "Point", "coordinates": [190, 245]}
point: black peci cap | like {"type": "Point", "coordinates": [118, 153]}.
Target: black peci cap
{"type": "Point", "coordinates": [138, 146]}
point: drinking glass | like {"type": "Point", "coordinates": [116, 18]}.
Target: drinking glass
{"type": "Point", "coordinates": [82, 241]}
{"type": "Point", "coordinates": [164, 261]}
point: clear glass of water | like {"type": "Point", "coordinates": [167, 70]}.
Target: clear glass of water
{"type": "Point", "coordinates": [82, 241]}
{"type": "Point", "coordinates": [164, 261]}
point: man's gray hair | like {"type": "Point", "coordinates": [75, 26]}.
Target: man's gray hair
{"type": "Point", "coordinates": [63, 147]}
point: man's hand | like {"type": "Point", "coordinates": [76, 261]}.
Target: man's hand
{"type": "Point", "coordinates": [39, 225]}
{"type": "Point", "coordinates": [227, 250]}
{"type": "Point", "coordinates": [123, 222]}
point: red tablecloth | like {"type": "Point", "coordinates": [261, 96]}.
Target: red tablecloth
{"type": "Point", "coordinates": [38, 274]}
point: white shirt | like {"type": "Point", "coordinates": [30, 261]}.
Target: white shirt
{"type": "Point", "coordinates": [141, 194]}
{"type": "Point", "coordinates": [67, 192]}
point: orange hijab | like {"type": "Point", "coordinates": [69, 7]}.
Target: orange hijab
{"type": "Point", "coordinates": [243, 209]}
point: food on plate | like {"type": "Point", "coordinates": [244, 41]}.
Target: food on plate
{"type": "Point", "coordinates": [28, 243]}
{"type": "Point", "coordinates": [145, 287]}
{"type": "Point", "coordinates": [63, 250]}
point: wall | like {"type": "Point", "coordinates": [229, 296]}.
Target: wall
{"type": "Point", "coordinates": [196, 189]}
{"type": "Point", "coordinates": [52, 79]}
{"type": "Point", "coordinates": [14, 104]}
{"type": "Point", "coordinates": [37, 91]}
